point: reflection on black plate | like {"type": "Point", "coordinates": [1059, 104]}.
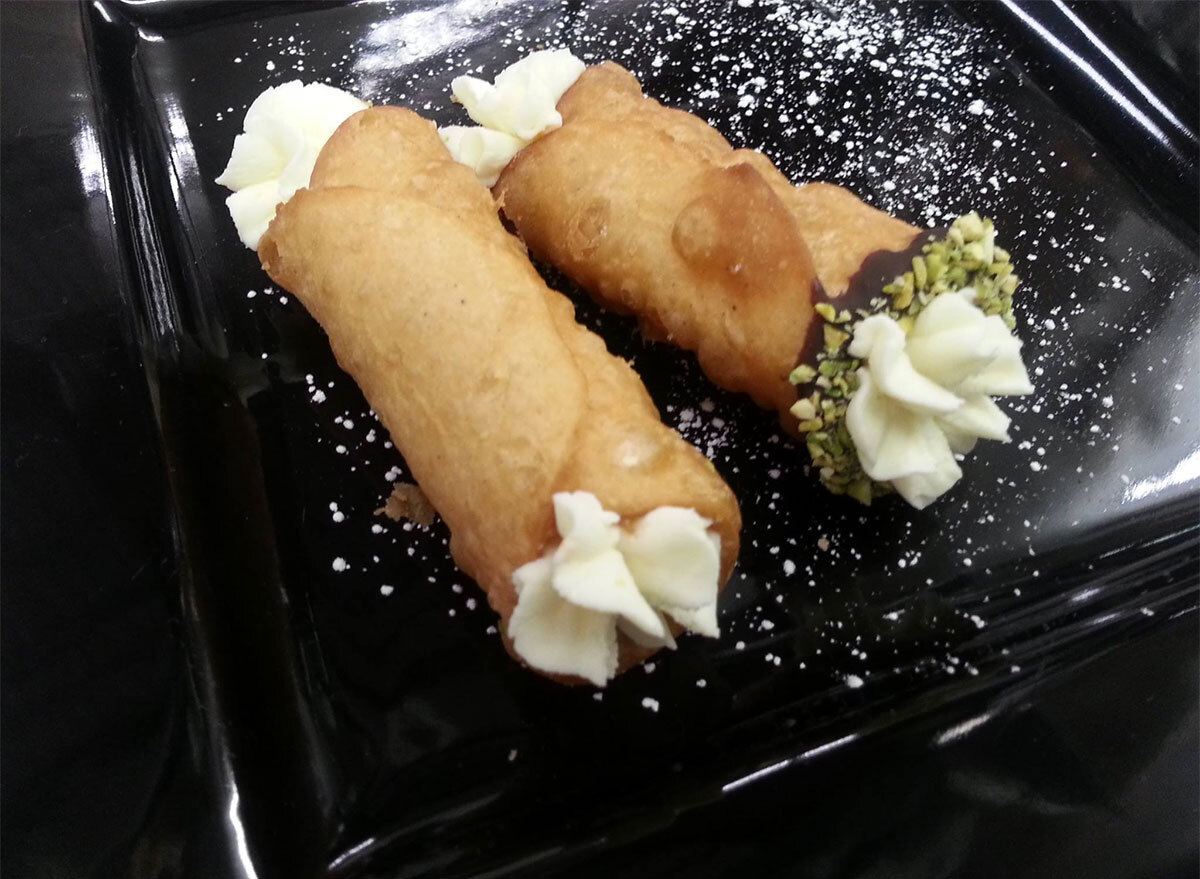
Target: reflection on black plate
{"type": "Point", "coordinates": [352, 685]}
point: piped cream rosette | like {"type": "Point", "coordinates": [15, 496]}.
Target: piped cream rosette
{"type": "Point", "coordinates": [926, 396]}
{"type": "Point", "coordinates": [511, 112]}
{"type": "Point", "coordinates": [603, 578]}
{"type": "Point", "coordinates": [283, 133]}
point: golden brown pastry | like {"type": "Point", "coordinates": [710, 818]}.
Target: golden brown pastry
{"type": "Point", "coordinates": [506, 410]}
{"type": "Point", "coordinates": [712, 248]}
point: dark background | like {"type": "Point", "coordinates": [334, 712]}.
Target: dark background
{"type": "Point", "coordinates": [1093, 773]}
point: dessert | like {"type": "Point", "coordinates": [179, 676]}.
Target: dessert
{"type": "Point", "coordinates": [781, 290]}
{"type": "Point", "coordinates": [596, 531]}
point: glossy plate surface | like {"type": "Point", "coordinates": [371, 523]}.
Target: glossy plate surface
{"type": "Point", "coordinates": [349, 682]}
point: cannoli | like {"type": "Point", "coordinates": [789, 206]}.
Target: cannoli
{"type": "Point", "coordinates": [596, 531]}
{"type": "Point", "coordinates": [714, 250]}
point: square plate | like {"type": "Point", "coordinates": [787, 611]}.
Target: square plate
{"type": "Point", "coordinates": [358, 709]}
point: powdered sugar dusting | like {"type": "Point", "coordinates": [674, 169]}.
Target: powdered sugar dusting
{"type": "Point", "coordinates": [912, 107]}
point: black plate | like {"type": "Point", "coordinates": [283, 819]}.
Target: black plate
{"type": "Point", "coordinates": [363, 733]}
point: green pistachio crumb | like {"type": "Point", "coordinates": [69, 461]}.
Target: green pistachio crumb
{"type": "Point", "coordinates": [860, 490]}
{"type": "Point", "coordinates": [804, 409]}
{"type": "Point", "coordinates": [831, 368]}
{"type": "Point", "coordinates": [935, 264]}
{"type": "Point", "coordinates": [920, 273]}
{"type": "Point", "coordinates": [802, 374]}
{"type": "Point", "coordinates": [966, 257]}
{"type": "Point", "coordinates": [826, 311]}
{"type": "Point", "coordinates": [971, 226]}
{"type": "Point", "coordinates": [834, 338]}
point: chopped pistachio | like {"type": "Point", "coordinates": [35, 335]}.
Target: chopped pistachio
{"type": "Point", "coordinates": [920, 273]}
{"type": "Point", "coordinates": [971, 226]}
{"type": "Point", "coordinates": [826, 311]}
{"type": "Point", "coordinates": [966, 257]}
{"type": "Point", "coordinates": [935, 264]}
{"type": "Point", "coordinates": [972, 255]}
{"type": "Point", "coordinates": [834, 338]}
{"type": "Point", "coordinates": [989, 244]}
{"type": "Point", "coordinates": [830, 368]}
{"type": "Point", "coordinates": [860, 490]}
{"type": "Point", "coordinates": [804, 410]}
{"type": "Point", "coordinates": [802, 374]}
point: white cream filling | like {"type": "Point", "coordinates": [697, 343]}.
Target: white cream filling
{"type": "Point", "coordinates": [602, 578]}
{"type": "Point", "coordinates": [510, 113]}
{"type": "Point", "coordinates": [282, 135]}
{"type": "Point", "coordinates": [925, 396]}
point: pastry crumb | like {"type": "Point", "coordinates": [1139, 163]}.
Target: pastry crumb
{"type": "Point", "coordinates": [407, 501]}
